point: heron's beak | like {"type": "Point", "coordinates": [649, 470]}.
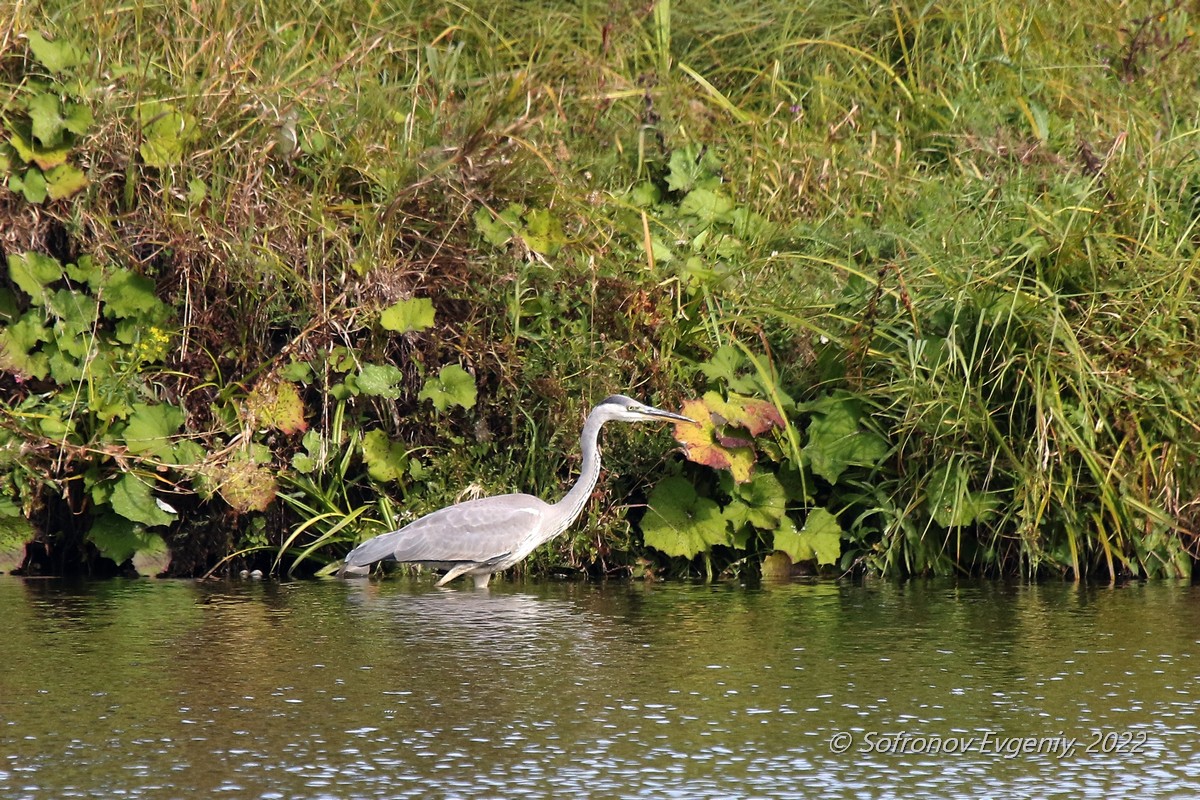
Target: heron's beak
{"type": "Point", "coordinates": [660, 414]}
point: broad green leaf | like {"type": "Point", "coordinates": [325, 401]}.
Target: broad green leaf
{"type": "Point", "coordinates": [75, 314]}
{"type": "Point", "coordinates": [302, 462]}
{"type": "Point", "coordinates": [277, 404]}
{"type": "Point", "coordinates": [86, 271]}
{"type": "Point", "coordinates": [662, 253]}
{"type": "Point", "coordinates": [152, 556]}
{"type": "Point", "coordinates": [453, 386]}
{"type": "Point", "coordinates": [25, 334]}
{"type": "Point", "coordinates": [765, 500]}
{"type": "Point", "coordinates": [706, 205]}
{"type": "Point", "coordinates": [77, 118]}
{"type": "Point", "coordinates": [129, 295]}
{"type": "Point", "coordinates": [151, 429]}
{"type": "Point", "coordinates": [133, 500]}
{"type": "Point", "coordinates": [197, 192]}
{"type": "Point", "coordinates": [17, 347]}
{"type": "Point", "coordinates": [836, 440]}
{"type": "Point", "coordinates": [408, 315]}
{"type": "Point", "coordinates": [107, 406]}
{"type": "Point", "coordinates": [693, 167]}
{"type": "Point", "coordinates": [31, 186]}
{"type": "Point", "coordinates": [820, 538]}
{"type": "Point", "coordinates": [45, 114]}
{"type": "Point", "coordinates": [645, 195]}
{"type": "Point", "coordinates": [747, 224]}
{"type": "Point", "coordinates": [188, 452]}
{"type": "Point", "coordinates": [56, 56]}
{"type": "Point", "coordinates": [776, 566]}
{"type": "Point", "coordinates": [313, 141]}
{"type": "Point", "coordinates": [725, 365]}
{"type": "Point", "coordinates": [56, 426]}
{"type": "Point", "coordinates": [386, 460]}
{"type": "Point", "coordinates": [342, 359]}
{"type": "Point", "coordinates": [259, 453]}
{"type": "Point", "coordinates": [543, 232]}
{"type": "Point", "coordinates": [9, 307]}
{"type": "Point", "coordinates": [64, 181]}
{"type": "Point", "coordinates": [698, 273]}
{"type": "Point", "coordinates": [120, 539]}
{"type": "Point", "coordinates": [736, 513]}
{"type": "Point", "coordinates": [33, 272]}
{"type": "Point", "coordinates": [496, 230]}
{"type": "Point", "coordinates": [380, 380]}
{"type": "Point", "coordinates": [65, 368]}
{"type": "Point", "coordinates": [678, 522]}
{"type": "Point", "coordinates": [9, 510]}
{"type": "Point", "coordinates": [297, 372]}
{"type": "Point", "coordinates": [315, 454]}
{"type": "Point", "coordinates": [165, 133]}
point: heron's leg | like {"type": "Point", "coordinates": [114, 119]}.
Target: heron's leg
{"type": "Point", "coordinates": [455, 571]}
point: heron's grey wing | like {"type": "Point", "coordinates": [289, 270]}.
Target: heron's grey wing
{"type": "Point", "coordinates": [477, 531]}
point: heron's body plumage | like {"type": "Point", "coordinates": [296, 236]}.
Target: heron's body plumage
{"type": "Point", "coordinates": [490, 534]}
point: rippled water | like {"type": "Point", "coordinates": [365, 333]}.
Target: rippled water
{"type": "Point", "coordinates": [397, 689]}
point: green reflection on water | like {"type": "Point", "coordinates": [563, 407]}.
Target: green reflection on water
{"type": "Point", "coordinates": [398, 689]}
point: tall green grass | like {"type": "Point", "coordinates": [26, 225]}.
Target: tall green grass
{"type": "Point", "coordinates": [977, 217]}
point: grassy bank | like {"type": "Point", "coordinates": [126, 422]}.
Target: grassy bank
{"type": "Point", "coordinates": [279, 278]}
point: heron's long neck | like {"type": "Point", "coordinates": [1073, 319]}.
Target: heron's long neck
{"type": "Point", "coordinates": [569, 507]}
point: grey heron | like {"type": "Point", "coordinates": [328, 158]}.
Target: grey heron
{"type": "Point", "coordinates": [490, 534]}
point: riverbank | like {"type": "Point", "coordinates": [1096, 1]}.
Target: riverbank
{"type": "Point", "coordinates": [281, 278]}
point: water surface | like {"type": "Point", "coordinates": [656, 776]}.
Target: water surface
{"type": "Point", "coordinates": [398, 689]}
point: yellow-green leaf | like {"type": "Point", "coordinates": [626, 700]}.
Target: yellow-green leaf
{"type": "Point", "coordinates": [408, 315]}
{"type": "Point", "coordinates": [33, 153]}
{"type": "Point", "coordinates": [165, 133]}
{"type": "Point", "coordinates": [820, 538]}
{"type": "Point", "coordinates": [386, 460]}
{"type": "Point", "coordinates": [277, 404]}
{"type": "Point", "coordinates": [64, 181]}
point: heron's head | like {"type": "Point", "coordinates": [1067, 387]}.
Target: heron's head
{"type": "Point", "coordinates": [626, 409]}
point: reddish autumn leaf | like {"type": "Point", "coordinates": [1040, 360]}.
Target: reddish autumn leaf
{"type": "Point", "coordinates": [756, 416]}
{"type": "Point", "coordinates": [702, 441]}
{"type": "Point", "coordinates": [733, 441]}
